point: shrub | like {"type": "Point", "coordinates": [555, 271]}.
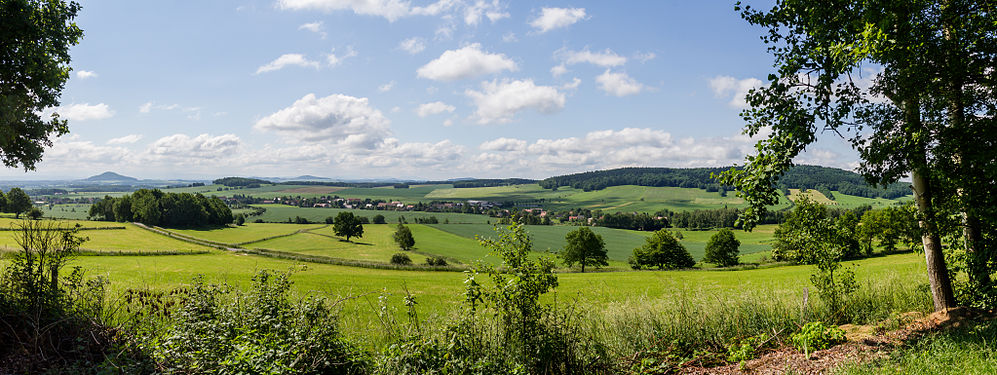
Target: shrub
{"type": "Point", "coordinates": [661, 250]}
{"type": "Point", "coordinates": [436, 261]}
{"type": "Point", "coordinates": [746, 349]}
{"type": "Point", "coordinates": [259, 332]}
{"type": "Point", "coordinates": [403, 237]}
{"type": "Point", "coordinates": [378, 219]}
{"type": "Point", "coordinates": [401, 259]}
{"type": "Point", "coordinates": [817, 336]}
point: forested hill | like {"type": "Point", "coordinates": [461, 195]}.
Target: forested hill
{"type": "Point", "coordinates": [799, 177]}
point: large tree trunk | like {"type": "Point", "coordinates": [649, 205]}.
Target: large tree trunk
{"type": "Point", "coordinates": [938, 276]}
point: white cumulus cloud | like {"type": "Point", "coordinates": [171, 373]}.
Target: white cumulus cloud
{"type": "Point", "coordinates": [85, 74]}
{"type": "Point", "coordinates": [386, 87]}
{"type": "Point", "coordinates": [493, 10]}
{"type": "Point", "coordinates": [735, 89]}
{"type": "Point", "coordinates": [315, 27]}
{"type": "Point", "coordinates": [131, 138]}
{"type": "Point", "coordinates": [288, 59]}
{"type": "Point", "coordinates": [499, 101]}
{"type": "Point", "coordinates": [467, 62]}
{"type": "Point", "coordinates": [391, 10]}
{"type": "Point", "coordinates": [201, 146]}
{"type": "Point", "coordinates": [412, 45]}
{"type": "Point", "coordinates": [606, 58]}
{"type": "Point", "coordinates": [343, 119]}
{"type": "Point", "coordinates": [503, 144]}
{"type": "Point", "coordinates": [85, 112]}
{"type": "Point", "coordinates": [618, 84]}
{"type": "Point", "coordinates": [434, 108]}
{"type": "Point", "coordinates": [332, 59]}
{"type": "Point", "coordinates": [556, 18]}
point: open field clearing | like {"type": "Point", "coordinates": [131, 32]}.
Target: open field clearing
{"type": "Point", "coordinates": [439, 293]}
{"type": "Point", "coordinates": [130, 239]}
{"type": "Point", "coordinates": [376, 245]}
{"type": "Point", "coordinates": [280, 213]}
{"type": "Point", "coordinates": [245, 233]}
{"type": "Point", "coordinates": [814, 195]}
{"type": "Point", "coordinates": [66, 211]}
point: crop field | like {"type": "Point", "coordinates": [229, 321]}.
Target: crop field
{"type": "Point", "coordinates": [814, 195]}
{"type": "Point", "coordinates": [66, 211]}
{"type": "Point", "coordinates": [280, 213]}
{"type": "Point", "coordinates": [245, 233]}
{"type": "Point", "coordinates": [440, 293]}
{"type": "Point", "coordinates": [132, 238]}
{"type": "Point", "coordinates": [376, 245]}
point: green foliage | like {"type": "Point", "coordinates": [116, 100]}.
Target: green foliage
{"type": "Point", "coordinates": [722, 249]}
{"type": "Point", "coordinates": [746, 349]}
{"type": "Point", "coordinates": [348, 225]}
{"type": "Point", "coordinates": [661, 250]}
{"type": "Point", "coordinates": [403, 237]}
{"type": "Point", "coordinates": [18, 202]}
{"type": "Point", "coordinates": [815, 336]}
{"type": "Point", "coordinates": [240, 219]}
{"type": "Point", "coordinates": [37, 37]}
{"type": "Point", "coordinates": [35, 213]}
{"type": "Point", "coordinates": [239, 181]}
{"type": "Point", "coordinates": [401, 259]}
{"type": "Point", "coordinates": [436, 261]}
{"type": "Point", "coordinates": [585, 248]}
{"type": "Point", "coordinates": [378, 219]}
{"type": "Point", "coordinates": [809, 232]}
{"type": "Point", "coordinates": [259, 332]}
{"type": "Point", "coordinates": [154, 207]}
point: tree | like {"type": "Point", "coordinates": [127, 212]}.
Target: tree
{"type": "Point", "coordinates": [240, 219]}
{"type": "Point", "coordinates": [18, 202]}
{"type": "Point", "coordinates": [661, 250]}
{"type": "Point", "coordinates": [926, 114]}
{"type": "Point", "coordinates": [378, 219]}
{"type": "Point", "coordinates": [35, 213]}
{"type": "Point", "coordinates": [403, 237]}
{"type": "Point", "coordinates": [347, 225]}
{"type": "Point", "coordinates": [34, 67]}
{"type": "Point", "coordinates": [585, 248]}
{"type": "Point", "coordinates": [722, 249]}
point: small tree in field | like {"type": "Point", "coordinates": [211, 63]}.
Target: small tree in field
{"type": "Point", "coordinates": [18, 202]}
{"type": "Point", "coordinates": [662, 250]}
{"type": "Point", "coordinates": [378, 219]}
{"type": "Point", "coordinates": [722, 249]}
{"type": "Point", "coordinates": [403, 237]}
{"type": "Point", "coordinates": [347, 225]}
{"type": "Point", "coordinates": [584, 247]}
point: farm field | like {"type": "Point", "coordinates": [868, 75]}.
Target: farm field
{"type": "Point", "coordinates": [66, 211]}
{"type": "Point", "coordinates": [376, 245]}
{"type": "Point", "coordinates": [245, 233]}
{"type": "Point", "coordinates": [280, 213]}
{"type": "Point", "coordinates": [439, 293]}
{"type": "Point", "coordinates": [132, 238]}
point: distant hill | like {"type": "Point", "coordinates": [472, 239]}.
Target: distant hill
{"type": "Point", "coordinates": [110, 176]}
{"type": "Point", "coordinates": [799, 177]}
{"type": "Point", "coordinates": [308, 177]}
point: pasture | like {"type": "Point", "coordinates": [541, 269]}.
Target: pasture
{"type": "Point", "coordinates": [129, 239]}
{"type": "Point", "coordinates": [281, 213]}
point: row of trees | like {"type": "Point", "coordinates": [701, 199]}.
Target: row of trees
{"type": "Point", "coordinates": [662, 249]}
{"type": "Point", "coordinates": [154, 207]}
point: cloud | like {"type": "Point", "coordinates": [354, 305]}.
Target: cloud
{"type": "Point", "coordinates": [509, 37]}
{"type": "Point", "coordinates": [466, 62]}
{"type": "Point", "coordinates": [131, 138]}
{"type": "Point", "coordinates": [288, 59]}
{"type": "Point", "coordinates": [72, 154]}
{"type": "Point", "coordinates": [315, 27]}
{"type": "Point", "coordinates": [202, 146]}
{"type": "Point", "coordinates": [85, 112]}
{"type": "Point", "coordinates": [391, 10]}
{"type": "Point", "coordinates": [556, 18]}
{"type": "Point", "coordinates": [558, 70]}
{"type": "Point", "coordinates": [386, 87]}
{"type": "Point", "coordinates": [86, 74]}
{"type": "Point", "coordinates": [500, 101]}
{"type": "Point", "coordinates": [727, 86]}
{"type": "Point", "coordinates": [334, 60]}
{"type": "Point", "coordinates": [605, 58]}
{"type": "Point", "coordinates": [412, 45]}
{"type": "Point", "coordinates": [618, 84]}
{"type": "Point", "coordinates": [145, 108]}
{"type": "Point", "coordinates": [575, 82]}
{"type": "Point", "coordinates": [434, 108]}
{"type": "Point", "coordinates": [504, 144]}
{"type": "Point", "coordinates": [645, 57]}
{"type": "Point", "coordinates": [345, 120]}
{"type": "Point", "coordinates": [493, 10]}
{"type": "Point", "coordinates": [193, 113]}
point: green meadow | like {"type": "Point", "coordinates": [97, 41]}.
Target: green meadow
{"type": "Point", "coordinates": [280, 213]}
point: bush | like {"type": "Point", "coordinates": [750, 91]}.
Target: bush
{"type": "Point", "coordinates": [378, 219]}
{"type": "Point", "coordinates": [259, 332]}
{"type": "Point", "coordinates": [436, 261]}
{"type": "Point", "coordinates": [401, 259]}
{"type": "Point", "coordinates": [661, 250]}
{"type": "Point", "coordinates": [817, 336]}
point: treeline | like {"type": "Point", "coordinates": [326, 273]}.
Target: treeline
{"type": "Point", "coordinates": [154, 207]}
{"type": "Point", "coordinates": [239, 181]}
{"type": "Point", "coordinates": [823, 179]}
{"type": "Point", "coordinates": [657, 177]}
{"type": "Point", "coordinates": [715, 218]}
{"type": "Point", "coordinates": [490, 182]}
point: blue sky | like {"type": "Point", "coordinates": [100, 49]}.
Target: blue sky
{"type": "Point", "coordinates": [407, 89]}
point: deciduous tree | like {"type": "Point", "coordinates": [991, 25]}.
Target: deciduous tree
{"type": "Point", "coordinates": [347, 225]}
{"type": "Point", "coordinates": [585, 248]}
{"type": "Point", "coordinates": [18, 201]}
{"type": "Point", "coordinates": [722, 249]}
{"type": "Point", "coordinates": [403, 237]}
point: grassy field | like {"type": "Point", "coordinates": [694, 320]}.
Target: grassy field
{"type": "Point", "coordinates": [66, 211]}
{"type": "Point", "coordinates": [245, 233]}
{"type": "Point", "coordinates": [132, 238]}
{"type": "Point", "coordinates": [376, 245]}
{"type": "Point", "coordinates": [280, 213]}
{"type": "Point", "coordinates": [814, 195]}
{"type": "Point", "coordinates": [439, 293]}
